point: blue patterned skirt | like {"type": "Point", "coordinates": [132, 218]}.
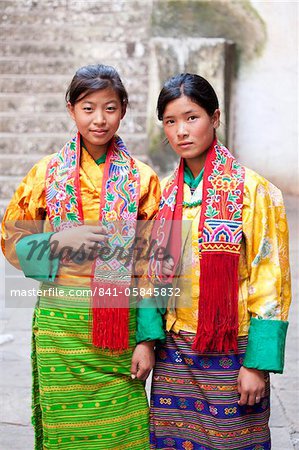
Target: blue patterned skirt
{"type": "Point", "coordinates": [194, 401]}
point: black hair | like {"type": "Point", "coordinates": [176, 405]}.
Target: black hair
{"type": "Point", "coordinates": [92, 78]}
{"type": "Point", "coordinates": [197, 88]}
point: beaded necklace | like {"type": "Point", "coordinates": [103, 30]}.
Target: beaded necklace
{"type": "Point", "coordinates": [192, 204]}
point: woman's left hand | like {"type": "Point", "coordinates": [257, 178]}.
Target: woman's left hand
{"type": "Point", "coordinates": [251, 386]}
{"type": "Point", "coordinates": [167, 267]}
{"type": "Point", "coordinates": [143, 360]}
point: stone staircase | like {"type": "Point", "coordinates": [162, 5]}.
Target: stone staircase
{"type": "Point", "coordinates": [42, 44]}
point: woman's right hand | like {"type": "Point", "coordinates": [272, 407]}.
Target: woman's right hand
{"type": "Point", "coordinates": [251, 386]}
{"type": "Point", "coordinates": [84, 237]}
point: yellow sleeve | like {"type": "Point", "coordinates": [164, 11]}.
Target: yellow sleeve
{"type": "Point", "coordinates": [150, 192]}
{"type": "Point", "coordinates": [26, 211]}
{"type": "Point", "coordinates": [148, 207]}
{"type": "Point", "coordinates": [149, 323]}
{"type": "Point", "coordinates": [267, 249]}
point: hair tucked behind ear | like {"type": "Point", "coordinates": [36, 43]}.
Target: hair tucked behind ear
{"type": "Point", "coordinates": [197, 88]}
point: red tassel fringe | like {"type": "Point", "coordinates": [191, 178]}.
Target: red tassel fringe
{"type": "Point", "coordinates": [218, 303]}
{"type": "Point", "coordinates": [110, 319]}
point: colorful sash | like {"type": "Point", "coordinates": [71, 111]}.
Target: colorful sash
{"type": "Point", "coordinates": [118, 212]}
{"type": "Point", "coordinates": [219, 243]}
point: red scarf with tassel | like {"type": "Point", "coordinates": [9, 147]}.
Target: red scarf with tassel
{"type": "Point", "coordinates": [219, 245]}
{"type": "Point", "coordinates": [111, 274]}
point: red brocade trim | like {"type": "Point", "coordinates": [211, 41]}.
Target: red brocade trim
{"type": "Point", "coordinates": [119, 204]}
{"type": "Point", "coordinates": [219, 247]}
{"type": "Point", "coordinates": [219, 238]}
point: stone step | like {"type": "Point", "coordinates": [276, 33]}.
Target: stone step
{"type": "Point", "coordinates": [8, 185]}
{"type": "Point", "coordinates": [3, 205]}
{"type": "Point", "coordinates": [55, 83]}
{"type": "Point", "coordinates": [14, 173]}
{"type": "Point", "coordinates": [26, 144]}
{"type": "Point", "coordinates": [74, 12]}
{"type": "Point", "coordinates": [46, 143]}
{"type": "Point", "coordinates": [16, 103]}
{"type": "Point", "coordinates": [16, 166]}
{"type": "Point", "coordinates": [93, 50]}
{"type": "Point", "coordinates": [34, 124]}
{"type": "Point", "coordinates": [34, 5]}
{"type": "Point", "coordinates": [129, 68]}
{"type": "Point", "coordinates": [42, 103]}
{"type": "Point", "coordinates": [57, 33]}
{"type": "Point", "coordinates": [69, 49]}
{"type": "Point", "coordinates": [56, 6]}
{"type": "Point", "coordinates": [23, 84]}
{"type": "Point", "coordinates": [59, 123]}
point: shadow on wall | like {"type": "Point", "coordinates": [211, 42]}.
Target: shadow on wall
{"type": "Point", "coordinates": [209, 38]}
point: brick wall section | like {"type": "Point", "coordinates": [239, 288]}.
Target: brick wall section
{"type": "Point", "coordinates": [42, 44]}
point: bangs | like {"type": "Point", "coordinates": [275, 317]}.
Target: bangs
{"type": "Point", "coordinates": [86, 87]}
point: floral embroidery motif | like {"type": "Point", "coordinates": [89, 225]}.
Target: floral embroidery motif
{"type": "Point", "coordinates": [270, 310]}
{"type": "Point", "coordinates": [162, 354]}
{"type": "Point", "coordinates": [225, 362]}
{"type": "Point", "coordinates": [119, 196]}
{"type": "Point", "coordinates": [212, 432]}
{"type": "Point", "coordinates": [167, 198]}
{"type": "Point", "coordinates": [183, 403]}
{"type": "Point", "coordinates": [275, 195]}
{"type": "Point", "coordinates": [213, 410]}
{"type": "Point", "coordinates": [62, 190]}
{"type": "Point", "coordinates": [205, 363]}
{"type": "Point", "coordinates": [111, 216]}
{"type": "Point", "coordinates": [165, 401]}
{"type": "Point", "coordinates": [262, 190]}
{"type": "Point", "coordinates": [264, 251]}
{"type": "Point", "coordinates": [225, 180]}
{"type": "Point", "coordinates": [178, 356]}
{"type": "Point", "coordinates": [206, 387]}
{"type": "Point", "coordinates": [199, 405]}
{"type": "Point", "coordinates": [220, 228]}
{"type": "Point", "coordinates": [189, 361]}
{"type": "Point", "coordinates": [224, 183]}
{"type": "Point", "coordinates": [230, 411]}
{"type": "Point", "coordinates": [187, 445]}
{"type": "Point", "coordinates": [169, 442]}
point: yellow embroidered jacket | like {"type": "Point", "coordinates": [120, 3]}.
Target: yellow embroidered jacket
{"type": "Point", "coordinates": [264, 274]}
{"type": "Point", "coordinates": [27, 214]}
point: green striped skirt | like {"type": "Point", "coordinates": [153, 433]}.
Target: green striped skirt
{"type": "Point", "coordinates": [83, 397]}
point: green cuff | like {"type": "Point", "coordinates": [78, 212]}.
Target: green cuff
{"type": "Point", "coordinates": [162, 300]}
{"type": "Point", "coordinates": [149, 321]}
{"type": "Point", "coordinates": [35, 258]}
{"type": "Point", "coordinates": [266, 345]}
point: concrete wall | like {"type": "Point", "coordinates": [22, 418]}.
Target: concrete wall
{"type": "Point", "coordinates": [264, 111]}
{"type": "Point", "coordinates": [266, 100]}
